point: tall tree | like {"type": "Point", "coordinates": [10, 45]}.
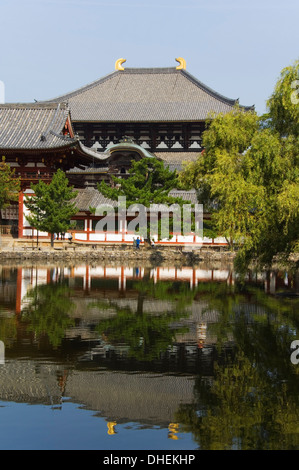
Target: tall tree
{"type": "Point", "coordinates": [9, 184]}
{"type": "Point", "coordinates": [149, 183]}
{"type": "Point", "coordinates": [51, 206]}
{"type": "Point", "coordinates": [248, 175]}
{"type": "Point", "coordinates": [283, 105]}
{"type": "Point", "coordinates": [221, 175]}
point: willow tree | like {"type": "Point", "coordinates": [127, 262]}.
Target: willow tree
{"type": "Point", "coordinates": [283, 104]}
{"type": "Point", "coordinates": [283, 116]}
{"type": "Point", "coordinates": [221, 175]}
{"type": "Point", "coordinates": [248, 176]}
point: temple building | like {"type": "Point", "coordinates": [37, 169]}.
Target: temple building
{"type": "Point", "coordinates": [96, 131]}
{"type": "Point", "coordinates": [163, 110]}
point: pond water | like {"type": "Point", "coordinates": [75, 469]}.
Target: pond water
{"type": "Point", "coordinates": [109, 357]}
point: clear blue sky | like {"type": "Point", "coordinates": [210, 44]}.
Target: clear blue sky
{"type": "Point", "coordinates": [238, 48]}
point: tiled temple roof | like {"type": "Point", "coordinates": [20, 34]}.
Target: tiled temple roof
{"type": "Point", "coordinates": [91, 197]}
{"type": "Point", "coordinates": [189, 195]}
{"type": "Point", "coordinates": [37, 127]}
{"type": "Point", "coordinates": [146, 95]}
{"type": "Point", "coordinates": [33, 126]}
{"type": "Point", "coordinates": [174, 160]}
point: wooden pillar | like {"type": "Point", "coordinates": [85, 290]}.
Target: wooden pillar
{"type": "Point", "coordinates": [186, 134]}
{"type": "Point", "coordinates": [153, 137]}
{"type": "Point", "coordinates": [21, 213]}
{"type": "Point", "coordinates": [87, 222]}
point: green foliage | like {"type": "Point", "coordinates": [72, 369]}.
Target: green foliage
{"type": "Point", "coordinates": [9, 184]}
{"type": "Point", "coordinates": [50, 207]}
{"type": "Point", "coordinates": [283, 104]}
{"type": "Point", "coordinates": [47, 312]}
{"type": "Point", "coordinates": [253, 390]}
{"type": "Point", "coordinates": [248, 176]}
{"type": "Point", "coordinates": [149, 183]}
{"type": "Point", "coordinates": [146, 335]}
{"type": "Point", "coordinates": [222, 172]}
{"type": "Point", "coordinates": [8, 328]}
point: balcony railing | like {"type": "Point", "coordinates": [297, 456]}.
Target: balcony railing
{"type": "Point", "coordinates": [34, 176]}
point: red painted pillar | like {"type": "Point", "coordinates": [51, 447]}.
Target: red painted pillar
{"type": "Point", "coordinates": [21, 212]}
{"type": "Point", "coordinates": [88, 228]}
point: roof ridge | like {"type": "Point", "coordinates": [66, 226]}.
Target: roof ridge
{"type": "Point", "coordinates": [35, 105]}
{"type": "Point", "coordinates": [150, 69]}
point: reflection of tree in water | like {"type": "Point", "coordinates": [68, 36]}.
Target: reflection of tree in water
{"type": "Point", "coordinates": [47, 312]}
{"type": "Point", "coordinates": [147, 335]}
{"type": "Point", "coordinates": [8, 330]}
{"type": "Point", "coordinates": [251, 402]}
{"type": "Point", "coordinates": [241, 409]}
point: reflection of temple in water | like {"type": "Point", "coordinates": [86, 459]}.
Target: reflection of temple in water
{"type": "Point", "coordinates": [118, 281]}
{"type": "Point", "coordinates": [150, 399]}
{"type": "Point", "coordinates": [100, 376]}
{"type": "Point", "coordinates": [88, 280]}
{"type": "Point", "coordinates": [117, 285]}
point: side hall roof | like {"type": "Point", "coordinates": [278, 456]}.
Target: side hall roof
{"type": "Point", "coordinates": [30, 127]}
{"type": "Point", "coordinates": [90, 197]}
{"type": "Point", "coordinates": [146, 95]}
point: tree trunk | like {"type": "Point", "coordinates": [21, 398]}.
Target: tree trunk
{"type": "Point", "coordinates": [52, 240]}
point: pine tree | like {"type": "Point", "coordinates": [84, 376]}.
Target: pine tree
{"type": "Point", "coordinates": [50, 207]}
{"type": "Point", "coordinates": [9, 185]}
{"type": "Point", "coordinates": [149, 183]}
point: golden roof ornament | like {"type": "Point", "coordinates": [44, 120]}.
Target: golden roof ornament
{"type": "Point", "coordinates": [111, 429]}
{"type": "Point", "coordinates": [182, 63]}
{"type": "Point", "coordinates": [118, 64]}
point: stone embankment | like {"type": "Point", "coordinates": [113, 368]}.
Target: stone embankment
{"type": "Point", "coordinates": [72, 252]}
